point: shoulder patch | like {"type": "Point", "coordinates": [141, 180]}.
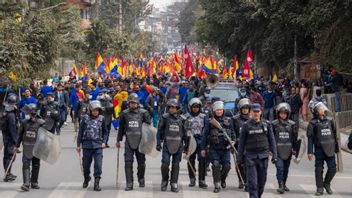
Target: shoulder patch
{"type": "Point", "coordinates": [275, 122]}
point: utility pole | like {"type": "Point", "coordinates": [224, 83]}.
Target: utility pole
{"type": "Point", "coordinates": [120, 16]}
{"type": "Point", "coordinates": [295, 59]}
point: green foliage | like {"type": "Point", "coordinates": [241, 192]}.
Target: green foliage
{"type": "Point", "coordinates": [187, 21]}
{"type": "Point", "coordinates": [269, 28]}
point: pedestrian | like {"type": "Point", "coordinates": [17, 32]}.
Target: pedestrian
{"type": "Point", "coordinates": [256, 142]}
{"type": "Point", "coordinates": [269, 98]}
{"type": "Point", "coordinates": [195, 124]}
{"type": "Point", "coordinates": [286, 133]}
{"type": "Point", "coordinates": [337, 83]}
{"type": "Point", "coordinates": [219, 145]}
{"type": "Point", "coordinates": [62, 98]}
{"type": "Point", "coordinates": [295, 102]}
{"type": "Point", "coordinates": [131, 121]}
{"type": "Point", "coordinates": [91, 138]}
{"type": "Point", "coordinates": [304, 93]}
{"type": "Point", "coordinates": [322, 141]}
{"type": "Point", "coordinates": [171, 140]}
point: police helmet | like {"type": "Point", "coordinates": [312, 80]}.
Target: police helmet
{"type": "Point", "coordinates": [133, 97]}
{"type": "Point", "coordinates": [218, 105]}
{"type": "Point", "coordinates": [95, 104]}
{"type": "Point", "coordinates": [172, 103]}
{"type": "Point", "coordinates": [11, 99]}
{"type": "Point", "coordinates": [194, 102]}
{"type": "Point", "coordinates": [318, 106]}
{"type": "Point", "coordinates": [283, 107]}
{"type": "Point", "coordinates": [244, 103]}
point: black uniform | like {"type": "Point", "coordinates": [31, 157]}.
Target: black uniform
{"type": "Point", "coordinates": [285, 132]}
{"type": "Point", "coordinates": [51, 114]}
{"type": "Point", "coordinates": [9, 134]}
{"type": "Point", "coordinates": [256, 142]}
{"type": "Point", "coordinates": [172, 134]}
{"type": "Point", "coordinates": [28, 136]}
{"type": "Point", "coordinates": [131, 127]}
{"type": "Point", "coordinates": [238, 121]}
{"type": "Point", "coordinates": [82, 109]}
{"type": "Point", "coordinates": [219, 149]}
{"type": "Point", "coordinates": [322, 138]}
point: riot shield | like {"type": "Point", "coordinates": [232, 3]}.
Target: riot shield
{"type": "Point", "coordinates": [301, 148]}
{"type": "Point", "coordinates": [47, 147]}
{"type": "Point", "coordinates": [148, 141]}
{"type": "Point", "coordinates": [192, 146]}
{"type": "Point", "coordinates": [1, 141]}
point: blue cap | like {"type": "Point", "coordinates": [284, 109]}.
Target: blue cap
{"type": "Point", "coordinates": [256, 107]}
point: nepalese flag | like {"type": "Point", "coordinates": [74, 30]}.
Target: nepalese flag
{"type": "Point", "coordinates": [100, 64]}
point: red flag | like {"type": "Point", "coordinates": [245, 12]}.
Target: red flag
{"type": "Point", "coordinates": [247, 68]}
{"type": "Point", "coordinates": [189, 67]}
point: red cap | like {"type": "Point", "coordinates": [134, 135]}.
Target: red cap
{"type": "Point", "coordinates": [333, 72]}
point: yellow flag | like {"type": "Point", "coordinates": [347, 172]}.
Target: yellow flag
{"type": "Point", "coordinates": [12, 76]}
{"type": "Point", "coordinates": [274, 77]}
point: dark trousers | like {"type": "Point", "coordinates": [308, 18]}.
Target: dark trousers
{"type": "Point", "coordinates": [129, 154]}
{"type": "Point", "coordinates": [8, 154]}
{"type": "Point", "coordinates": [282, 168]}
{"type": "Point", "coordinates": [256, 176]}
{"type": "Point", "coordinates": [166, 156]}
{"type": "Point", "coordinates": [62, 116]}
{"type": "Point", "coordinates": [220, 154]}
{"type": "Point", "coordinates": [88, 156]}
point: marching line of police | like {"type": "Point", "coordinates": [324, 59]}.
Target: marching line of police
{"type": "Point", "coordinates": [247, 137]}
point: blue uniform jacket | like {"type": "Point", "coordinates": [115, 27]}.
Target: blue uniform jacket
{"type": "Point", "coordinates": [91, 144]}
{"type": "Point", "coordinates": [260, 154]}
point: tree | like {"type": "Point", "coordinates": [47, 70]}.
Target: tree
{"type": "Point", "coordinates": [187, 21]}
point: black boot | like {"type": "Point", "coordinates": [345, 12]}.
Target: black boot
{"type": "Point", "coordinates": [174, 177]}
{"type": "Point", "coordinates": [96, 184]}
{"type": "Point", "coordinates": [86, 181]}
{"type": "Point", "coordinates": [281, 189]}
{"type": "Point", "coordinates": [192, 182]}
{"type": "Point", "coordinates": [225, 170]}
{"type": "Point", "coordinates": [216, 177]}
{"type": "Point", "coordinates": [191, 175]}
{"type": "Point", "coordinates": [140, 174]}
{"type": "Point", "coordinates": [241, 174]}
{"type": "Point", "coordinates": [34, 176]}
{"type": "Point", "coordinates": [286, 188]}
{"type": "Point", "coordinates": [328, 178]}
{"type": "Point", "coordinates": [129, 176]}
{"type": "Point", "coordinates": [201, 174]}
{"type": "Point", "coordinates": [26, 176]}
{"type": "Point", "coordinates": [165, 176]}
{"type": "Point", "coordinates": [319, 180]}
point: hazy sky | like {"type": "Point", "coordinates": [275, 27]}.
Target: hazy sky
{"type": "Point", "coordinates": [161, 3]}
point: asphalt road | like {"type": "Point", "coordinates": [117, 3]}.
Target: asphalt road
{"type": "Point", "coordinates": [64, 179]}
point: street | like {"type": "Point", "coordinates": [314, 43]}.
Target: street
{"type": "Point", "coordinates": [64, 179]}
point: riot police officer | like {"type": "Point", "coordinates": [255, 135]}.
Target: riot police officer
{"type": "Point", "coordinates": [172, 135]}
{"type": "Point", "coordinates": [51, 114]}
{"type": "Point", "coordinates": [195, 125]}
{"type": "Point", "coordinates": [322, 138]}
{"type": "Point", "coordinates": [285, 132]}
{"type": "Point", "coordinates": [28, 136]}
{"type": "Point", "coordinates": [131, 121]}
{"type": "Point", "coordinates": [244, 107]}
{"type": "Point", "coordinates": [256, 142]}
{"type": "Point", "coordinates": [219, 145]}
{"type": "Point", "coordinates": [108, 112]}
{"type": "Point", "coordinates": [9, 134]}
{"type": "Point", "coordinates": [92, 136]}
{"type": "Point", "coordinates": [82, 107]}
